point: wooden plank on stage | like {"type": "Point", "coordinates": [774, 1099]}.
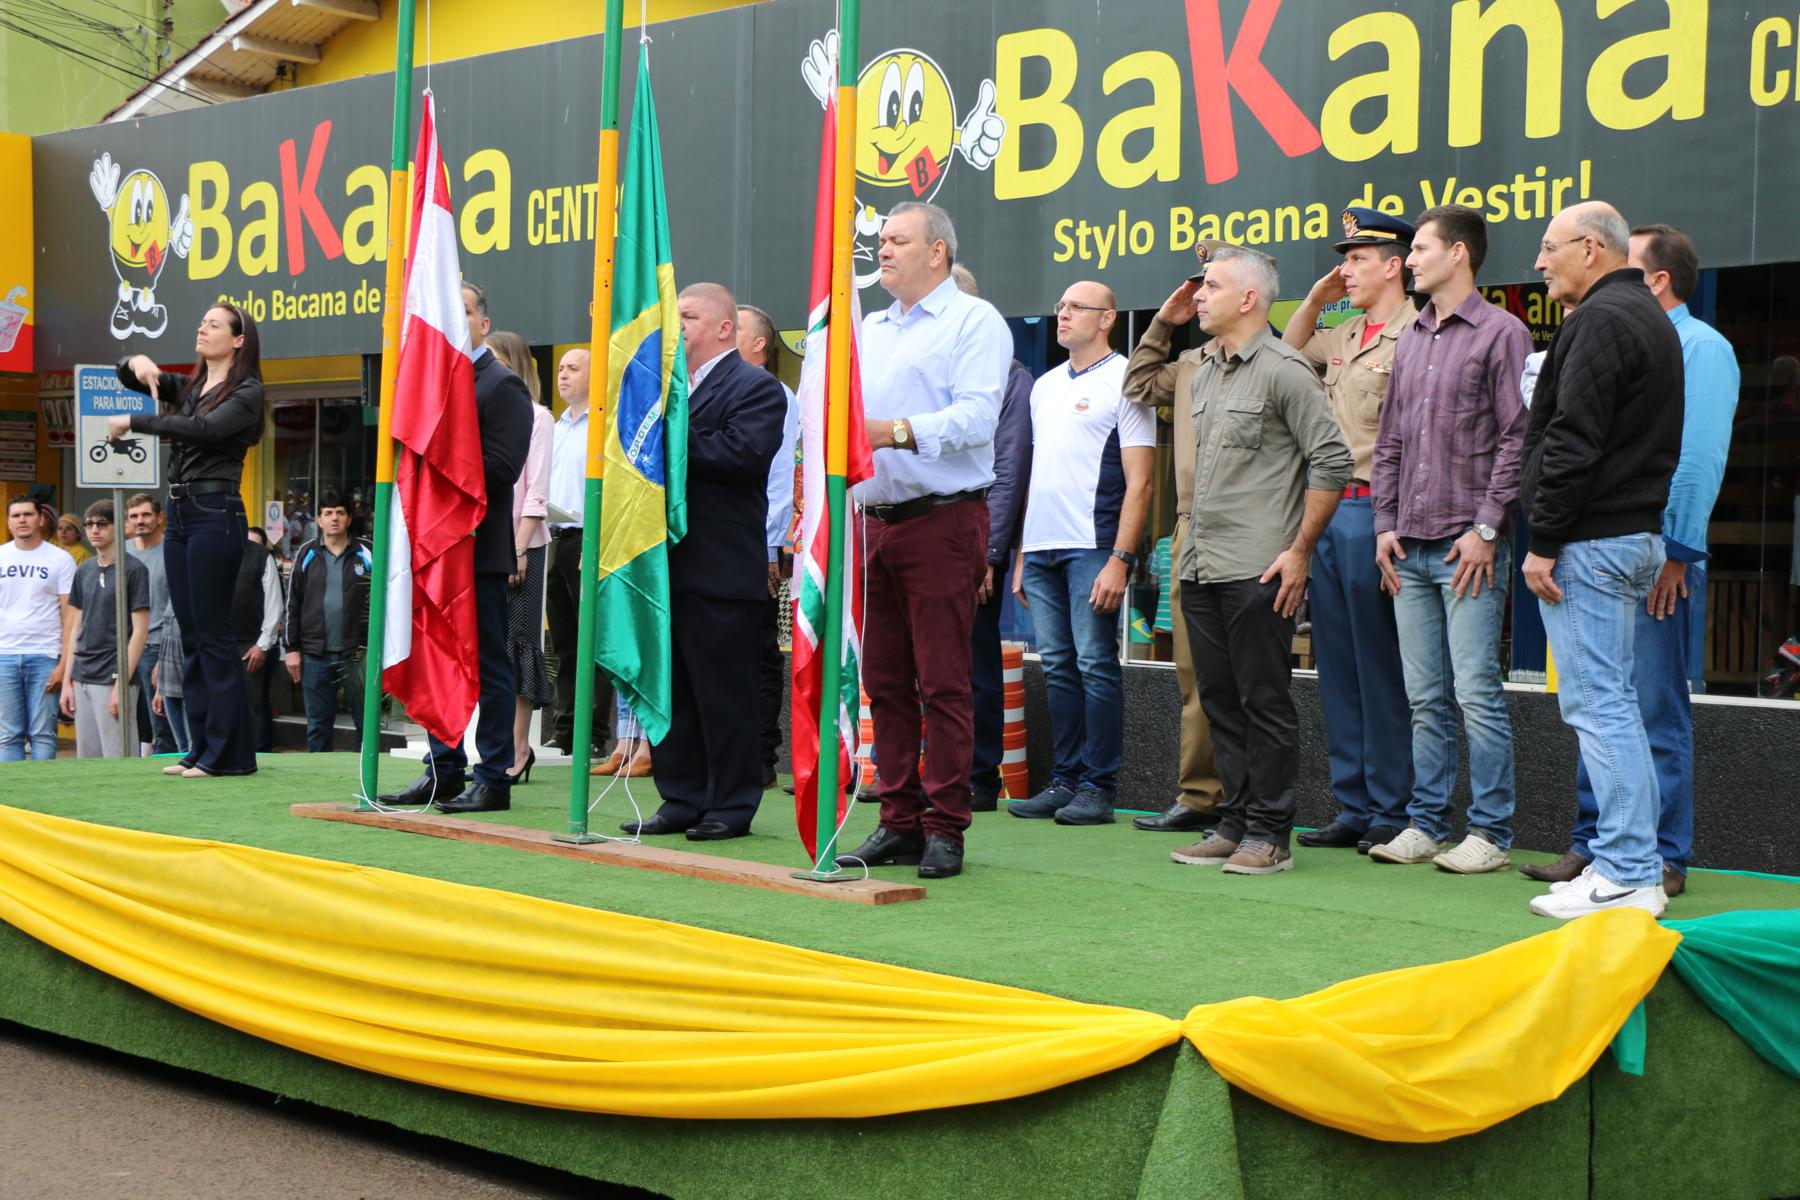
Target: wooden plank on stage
{"type": "Point", "coordinates": [618, 854]}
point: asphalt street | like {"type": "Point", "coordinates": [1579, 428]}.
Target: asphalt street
{"type": "Point", "coordinates": [82, 1124]}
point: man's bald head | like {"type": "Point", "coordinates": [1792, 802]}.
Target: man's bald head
{"type": "Point", "coordinates": [1084, 320]}
{"type": "Point", "coordinates": [1581, 244]}
{"type": "Point", "coordinates": [708, 321]}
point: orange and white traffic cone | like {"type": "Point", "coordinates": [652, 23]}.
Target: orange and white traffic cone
{"type": "Point", "coordinates": [1015, 771]}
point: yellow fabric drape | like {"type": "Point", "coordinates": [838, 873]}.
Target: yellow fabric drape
{"type": "Point", "coordinates": [537, 1002]}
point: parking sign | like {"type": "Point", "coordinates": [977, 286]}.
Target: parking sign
{"type": "Point", "coordinates": [128, 462]}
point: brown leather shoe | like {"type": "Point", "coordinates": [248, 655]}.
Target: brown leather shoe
{"type": "Point", "coordinates": [611, 766]}
{"type": "Point", "coordinates": [1674, 882]}
{"type": "Point", "coordinates": [1562, 870]}
{"type": "Point", "coordinates": [640, 763]}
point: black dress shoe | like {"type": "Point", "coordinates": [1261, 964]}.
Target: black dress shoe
{"type": "Point", "coordinates": [1177, 818]}
{"type": "Point", "coordinates": [885, 847]}
{"type": "Point", "coordinates": [1376, 835]}
{"type": "Point", "coordinates": [478, 797]}
{"type": "Point", "coordinates": [714, 831]}
{"type": "Point", "coordinates": [656, 826]}
{"type": "Point", "coordinates": [768, 777]}
{"type": "Point", "coordinates": [942, 858]}
{"type": "Point", "coordinates": [423, 790]}
{"type": "Point", "coordinates": [984, 799]}
{"type": "Point", "coordinates": [1335, 836]}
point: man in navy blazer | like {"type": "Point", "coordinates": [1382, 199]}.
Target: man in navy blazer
{"type": "Point", "coordinates": [503, 408]}
{"type": "Point", "coordinates": [707, 769]}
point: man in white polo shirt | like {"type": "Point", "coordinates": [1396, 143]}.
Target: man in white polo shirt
{"type": "Point", "coordinates": [1091, 454]}
{"type": "Point", "coordinates": [35, 577]}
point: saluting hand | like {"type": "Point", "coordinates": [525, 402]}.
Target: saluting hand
{"type": "Point", "coordinates": [1180, 308]}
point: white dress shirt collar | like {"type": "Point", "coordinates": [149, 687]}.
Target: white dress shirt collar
{"type": "Point", "coordinates": [699, 374]}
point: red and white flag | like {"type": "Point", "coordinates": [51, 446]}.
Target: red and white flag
{"type": "Point", "coordinates": [429, 660]}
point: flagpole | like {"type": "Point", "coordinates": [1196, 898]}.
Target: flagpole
{"type": "Point", "coordinates": [837, 439]}
{"type": "Point", "coordinates": [384, 438]}
{"type": "Point", "coordinates": [600, 346]}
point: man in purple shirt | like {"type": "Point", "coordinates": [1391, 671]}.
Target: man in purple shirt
{"type": "Point", "coordinates": [1446, 475]}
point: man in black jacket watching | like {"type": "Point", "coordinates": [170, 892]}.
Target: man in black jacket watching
{"type": "Point", "coordinates": [1603, 442]}
{"type": "Point", "coordinates": [327, 621]}
{"type": "Point", "coordinates": [503, 409]}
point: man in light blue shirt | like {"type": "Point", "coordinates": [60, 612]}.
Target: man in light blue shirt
{"type": "Point", "coordinates": [757, 343]}
{"type": "Point", "coordinates": [562, 576]}
{"type": "Point", "coordinates": [934, 364]}
{"type": "Point", "coordinates": [1670, 627]}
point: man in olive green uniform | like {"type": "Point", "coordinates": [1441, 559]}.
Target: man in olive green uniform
{"type": "Point", "coordinates": [1367, 718]}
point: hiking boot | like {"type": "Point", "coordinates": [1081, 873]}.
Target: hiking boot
{"type": "Point", "coordinates": [1210, 851]}
{"type": "Point", "coordinates": [1257, 857]}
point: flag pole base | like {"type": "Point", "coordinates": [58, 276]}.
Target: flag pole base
{"type": "Point", "coordinates": [832, 876]}
{"type": "Point", "coordinates": [579, 839]}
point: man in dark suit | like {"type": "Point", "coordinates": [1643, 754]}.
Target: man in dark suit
{"type": "Point", "coordinates": [707, 768]}
{"type": "Point", "coordinates": [503, 407]}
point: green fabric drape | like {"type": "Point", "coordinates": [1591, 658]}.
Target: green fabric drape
{"type": "Point", "coordinates": [1746, 966]}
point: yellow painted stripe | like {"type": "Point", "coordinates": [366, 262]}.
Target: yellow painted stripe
{"type": "Point", "coordinates": [600, 323]}
{"type": "Point", "coordinates": [399, 213]}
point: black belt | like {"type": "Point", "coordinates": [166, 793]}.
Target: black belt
{"type": "Point", "coordinates": [563, 531]}
{"type": "Point", "coordinates": [907, 510]}
{"type": "Point", "coordinates": [201, 487]}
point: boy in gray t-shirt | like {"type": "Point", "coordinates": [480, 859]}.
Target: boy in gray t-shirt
{"type": "Point", "coordinates": [91, 694]}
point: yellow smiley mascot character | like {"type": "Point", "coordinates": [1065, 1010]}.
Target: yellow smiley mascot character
{"type": "Point", "coordinates": [907, 132]}
{"type": "Point", "coordinates": [142, 238]}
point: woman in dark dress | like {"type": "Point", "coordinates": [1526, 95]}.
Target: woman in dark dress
{"type": "Point", "coordinates": [210, 419]}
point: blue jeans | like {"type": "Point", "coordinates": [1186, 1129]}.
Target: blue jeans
{"type": "Point", "coordinates": [1361, 688]}
{"type": "Point", "coordinates": [175, 708]}
{"type": "Point", "coordinates": [27, 711]}
{"type": "Point", "coordinates": [320, 675]}
{"type": "Point", "coordinates": [1451, 646]}
{"type": "Point", "coordinates": [1082, 676]}
{"type": "Point", "coordinates": [1593, 634]}
{"type": "Point", "coordinates": [156, 729]}
{"type": "Point", "coordinates": [202, 549]}
{"type": "Point", "coordinates": [1660, 675]}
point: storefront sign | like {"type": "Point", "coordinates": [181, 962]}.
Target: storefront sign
{"type": "Point", "coordinates": [1070, 140]}
{"type": "Point", "coordinates": [18, 445]}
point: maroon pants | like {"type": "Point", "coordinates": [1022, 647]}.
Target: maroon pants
{"type": "Point", "coordinates": [920, 609]}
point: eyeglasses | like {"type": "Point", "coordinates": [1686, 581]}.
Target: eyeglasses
{"type": "Point", "coordinates": [1069, 305]}
{"type": "Point", "coordinates": [96, 524]}
{"type": "Point", "coordinates": [1549, 247]}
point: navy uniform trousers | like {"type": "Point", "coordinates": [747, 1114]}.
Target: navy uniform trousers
{"type": "Point", "coordinates": [1368, 721]}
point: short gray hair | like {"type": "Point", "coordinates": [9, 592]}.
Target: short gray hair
{"type": "Point", "coordinates": [938, 225]}
{"type": "Point", "coordinates": [1259, 272]}
{"type": "Point", "coordinates": [1604, 224]}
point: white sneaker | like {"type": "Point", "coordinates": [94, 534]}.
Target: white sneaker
{"type": "Point", "coordinates": [1410, 847]}
{"type": "Point", "coordinates": [1579, 883]}
{"type": "Point", "coordinates": [1598, 895]}
{"type": "Point", "coordinates": [1474, 855]}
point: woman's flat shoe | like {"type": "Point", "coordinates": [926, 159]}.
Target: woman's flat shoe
{"type": "Point", "coordinates": [611, 766]}
{"type": "Point", "coordinates": [639, 767]}
{"type": "Point", "coordinates": [196, 773]}
{"type": "Point", "coordinates": [175, 769]}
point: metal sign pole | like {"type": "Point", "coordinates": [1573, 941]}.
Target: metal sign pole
{"type": "Point", "coordinates": [122, 624]}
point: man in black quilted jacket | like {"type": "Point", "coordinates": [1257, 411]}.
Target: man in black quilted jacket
{"type": "Point", "coordinates": [1604, 438]}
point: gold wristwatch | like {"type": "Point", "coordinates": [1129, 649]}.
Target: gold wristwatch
{"type": "Point", "coordinates": [902, 435]}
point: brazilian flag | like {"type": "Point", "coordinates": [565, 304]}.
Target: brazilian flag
{"type": "Point", "coordinates": [643, 492]}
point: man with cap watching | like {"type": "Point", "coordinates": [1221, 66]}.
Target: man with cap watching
{"type": "Point", "coordinates": [1361, 688]}
{"type": "Point", "coordinates": [1446, 474]}
{"type": "Point", "coordinates": [1269, 469]}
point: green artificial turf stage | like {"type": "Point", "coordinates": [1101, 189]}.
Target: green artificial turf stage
{"type": "Point", "coordinates": [1094, 914]}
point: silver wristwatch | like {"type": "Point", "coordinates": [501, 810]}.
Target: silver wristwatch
{"type": "Point", "coordinates": [1486, 533]}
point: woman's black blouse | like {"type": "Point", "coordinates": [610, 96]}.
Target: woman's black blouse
{"type": "Point", "coordinates": [208, 445]}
